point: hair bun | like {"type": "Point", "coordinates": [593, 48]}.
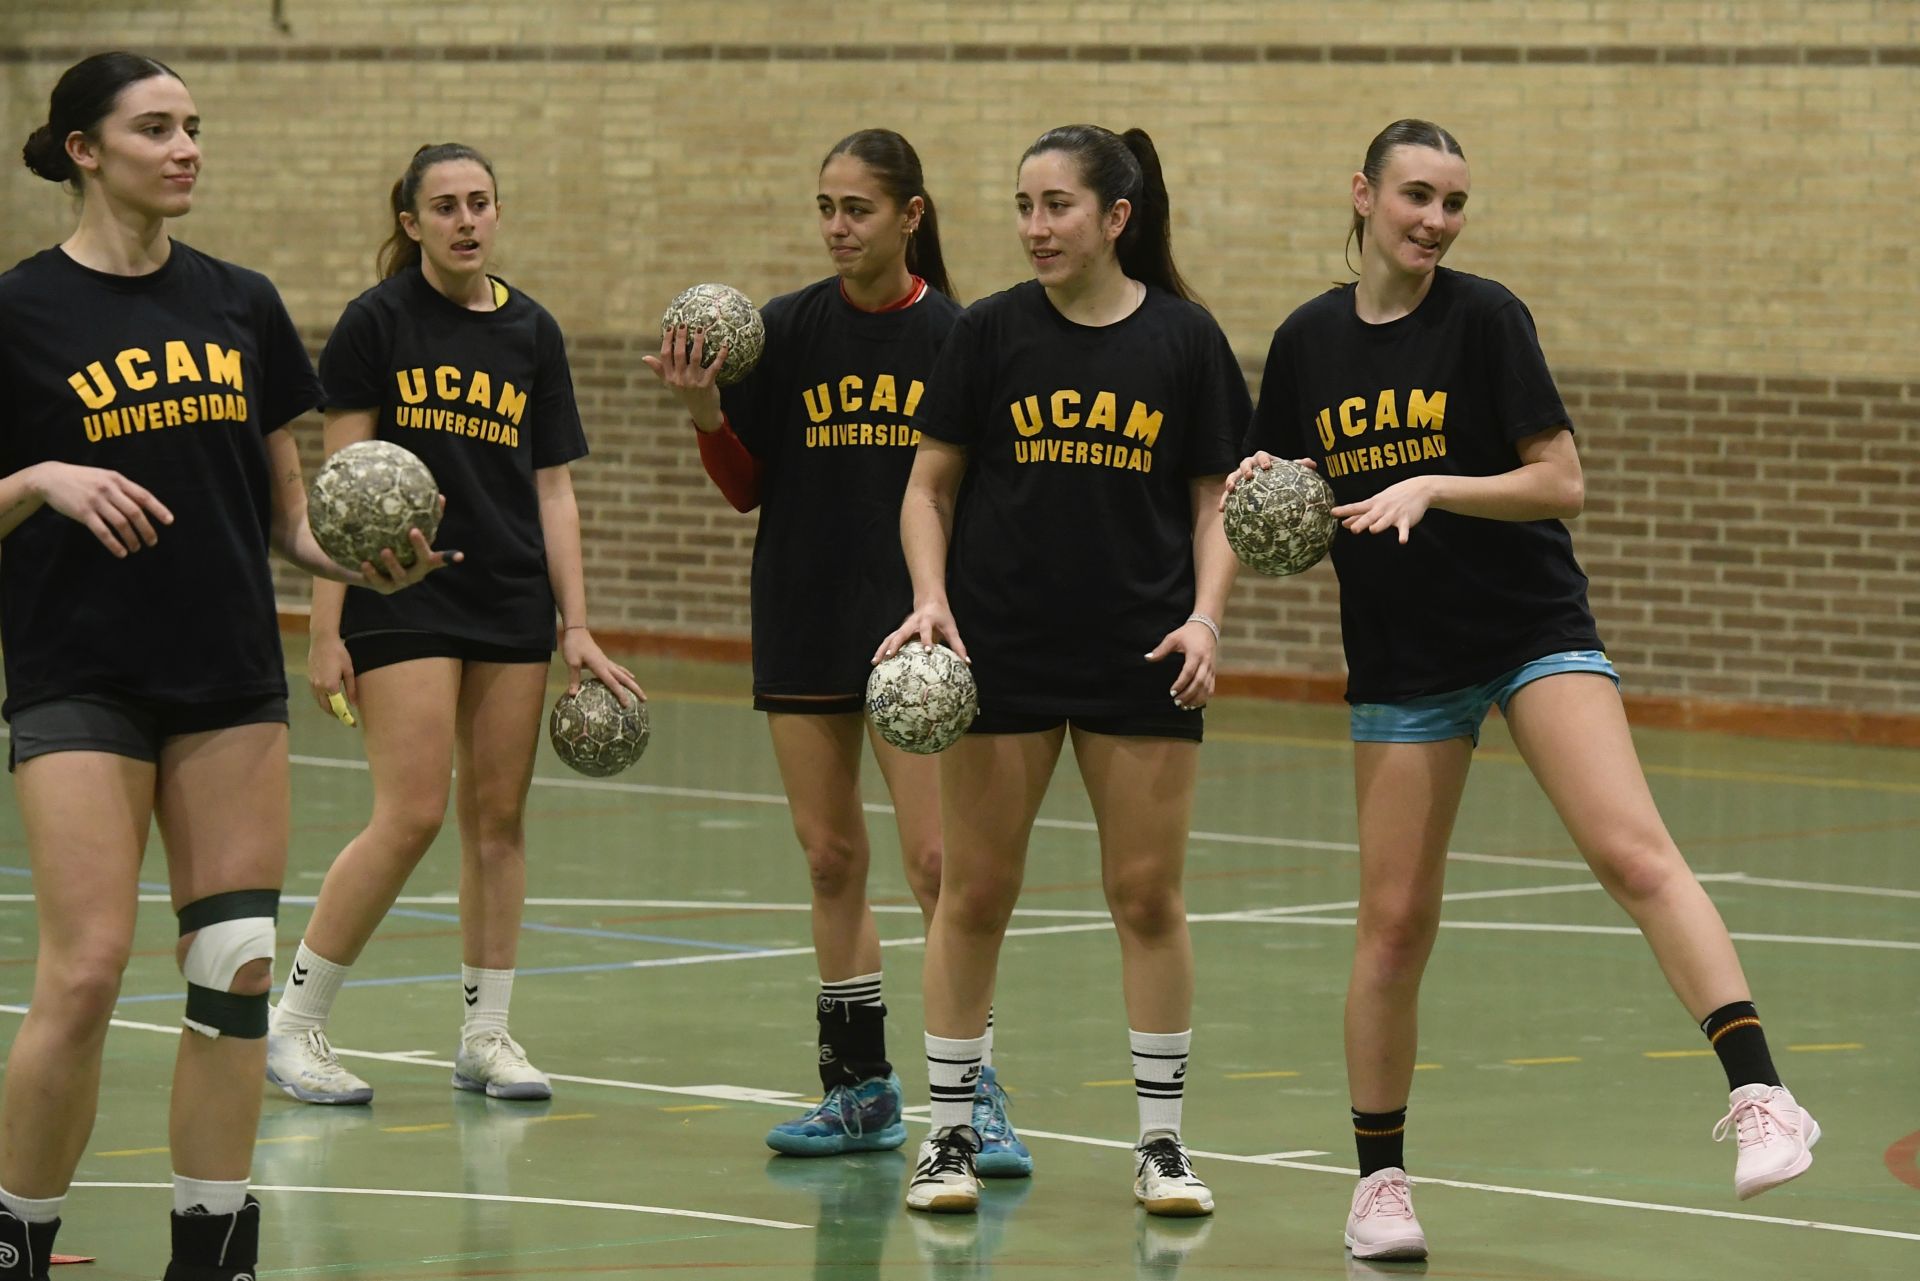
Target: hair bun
{"type": "Point", "coordinates": [47, 155]}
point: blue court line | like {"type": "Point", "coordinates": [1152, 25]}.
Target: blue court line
{"type": "Point", "coordinates": [148, 887]}
{"type": "Point", "coordinates": [404, 980]}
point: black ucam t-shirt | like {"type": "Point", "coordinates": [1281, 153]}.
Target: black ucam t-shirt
{"type": "Point", "coordinates": [828, 412]}
{"type": "Point", "coordinates": [1072, 551]}
{"type": "Point", "coordinates": [1447, 389]}
{"type": "Point", "coordinates": [484, 398]}
{"type": "Point", "coordinates": [172, 379]}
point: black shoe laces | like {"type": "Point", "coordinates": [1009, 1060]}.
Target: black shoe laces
{"type": "Point", "coordinates": [1168, 1159]}
{"type": "Point", "coordinates": [952, 1154]}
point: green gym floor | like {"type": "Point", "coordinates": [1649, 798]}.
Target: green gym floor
{"type": "Point", "coordinates": [1559, 1128]}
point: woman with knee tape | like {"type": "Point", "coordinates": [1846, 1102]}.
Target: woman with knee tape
{"type": "Point", "coordinates": [457, 671]}
{"type": "Point", "coordinates": [149, 471]}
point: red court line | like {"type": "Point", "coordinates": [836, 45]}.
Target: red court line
{"type": "Point", "coordinates": [1903, 1160]}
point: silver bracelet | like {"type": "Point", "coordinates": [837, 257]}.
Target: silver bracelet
{"type": "Point", "coordinates": [1207, 623]}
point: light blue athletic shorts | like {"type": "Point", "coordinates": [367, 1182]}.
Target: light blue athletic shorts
{"type": "Point", "coordinates": [1458, 714]}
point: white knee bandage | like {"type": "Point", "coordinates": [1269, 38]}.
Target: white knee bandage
{"type": "Point", "coordinates": [229, 931]}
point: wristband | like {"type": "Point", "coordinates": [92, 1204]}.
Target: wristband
{"type": "Point", "coordinates": [1207, 623]}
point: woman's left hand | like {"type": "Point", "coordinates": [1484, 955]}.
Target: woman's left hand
{"type": "Point", "coordinates": [580, 650]}
{"type": "Point", "coordinates": [1194, 641]}
{"type": "Point", "coordinates": [1398, 506]}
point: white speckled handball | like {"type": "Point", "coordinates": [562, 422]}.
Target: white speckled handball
{"type": "Point", "coordinates": [1281, 521]}
{"type": "Point", "coordinates": [922, 699]}
{"type": "Point", "coordinates": [366, 497]}
{"type": "Point", "coordinates": [595, 733]}
{"type": "Point", "coordinates": [728, 318]}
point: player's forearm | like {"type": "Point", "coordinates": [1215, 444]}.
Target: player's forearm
{"type": "Point", "coordinates": [1214, 564]}
{"type": "Point", "coordinates": [926, 529]}
{"type": "Point", "coordinates": [560, 529]}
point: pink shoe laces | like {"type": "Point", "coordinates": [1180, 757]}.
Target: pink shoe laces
{"type": "Point", "coordinates": [1752, 1119]}
{"type": "Point", "coordinates": [1387, 1198]}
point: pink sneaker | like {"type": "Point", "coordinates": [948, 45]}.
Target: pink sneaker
{"type": "Point", "coordinates": [1775, 1134]}
{"type": "Point", "coordinates": [1381, 1225]}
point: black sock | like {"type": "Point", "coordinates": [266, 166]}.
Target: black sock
{"type": "Point", "coordinates": [1381, 1140]}
{"type": "Point", "coordinates": [1734, 1032]}
{"type": "Point", "coordinates": [853, 1043]}
{"type": "Point", "coordinates": [25, 1248]}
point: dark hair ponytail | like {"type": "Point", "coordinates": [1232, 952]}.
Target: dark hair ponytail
{"type": "Point", "coordinates": [1126, 167]}
{"type": "Point", "coordinates": [897, 165]}
{"type": "Point", "coordinates": [401, 252]}
{"type": "Point", "coordinates": [1401, 133]}
{"type": "Point", "coordinates": [84, 96]}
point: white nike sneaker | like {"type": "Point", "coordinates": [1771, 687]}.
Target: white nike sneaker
{"type": "Point", "coordinates": [492, 1063]}
{"type": "Point", "coordinates": [1164, 1181]}
{"type": "Point", "coordinates": [302, 1063]}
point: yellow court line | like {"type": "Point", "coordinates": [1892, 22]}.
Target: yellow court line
{"type": "Point", "coordinates": [1676, 1054]}
{"type": "Point", "coordinates": [1428, 1067]}
{"type": "Point", "coordinates": [1565, 1058]}
{"type": "Point", "coordinates": [564, 1116]}
{"type": "Point", "coordinates": [1837, 1045]}
{"type": "Point", "coordinates": [416, 1129]}
{"type": "Point", "coordinates": [134, 1152]}
{"type": "Point", "coordinates": [1257, 1076]}
{"type": "Point", "coordinates": [698, 1107]}
{"type": "Point", "coordinates": [1103, 1084]}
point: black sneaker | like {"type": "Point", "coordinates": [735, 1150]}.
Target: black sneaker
{"type": "Point", "coordinates": [215, 1247]}
{"type": "Point", "coordinates": [25, 1248]}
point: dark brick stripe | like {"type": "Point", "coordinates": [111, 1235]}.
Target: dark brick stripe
{"type": "Point", "coordinates": [1216, 54]}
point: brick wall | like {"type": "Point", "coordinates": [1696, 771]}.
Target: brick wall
{"type": "Point", "coordinates": [1703, 205]}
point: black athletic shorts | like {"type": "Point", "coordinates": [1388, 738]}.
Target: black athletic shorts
{"type": "Point", "coordinates": [371, 650]}
{"type": "Point", "coordinates": [97, 723]}
{"type": "Point", "coordinates": [788, 705]}
{"type": "Point", "coordinates": [1150, 723]}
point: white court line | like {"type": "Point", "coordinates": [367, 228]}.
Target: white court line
{"type": "Point", "coordinates": [1877, 891]}
{"type": "Point", "coordinates": [782, 1099]}
{"type": "Point", "coordinates": [1541, 927]}
{"type": "Point", "coordinates": [497, 1197]}
{"type": "Point", "coordinates": [874, 807]}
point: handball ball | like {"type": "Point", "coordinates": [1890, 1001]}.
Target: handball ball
{"type": "Point", "coordinates": [1281, 521]}
{"type": "Point", "coordinates": [922, 699]}
{"type": "Point", "coordinates": [366, 498]}
{"type": "Point", "coordinates": [595, 733]}
{"type": "Point", "coordinates": [729, 320]}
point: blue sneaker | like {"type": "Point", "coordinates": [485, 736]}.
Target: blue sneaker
{"type": "Point", "coordinates": [1002, 1155]}
{"type": "Point", "coordinates": [852, 1118]}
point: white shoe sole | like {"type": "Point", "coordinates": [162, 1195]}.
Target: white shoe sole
{"type": "Point", "coordinates": [1803, 1163]}
{"type": "Point", "coordinates": [1398, 1248]}
{"type": "Point", "coordinates": [522, 1091]}
{"type": "Point", "coordinates": [1177, 1207]}
{"type": "Point", "coordinates": [350, 1097]}
{"type": "Point", "coordinates": [944, 1200]}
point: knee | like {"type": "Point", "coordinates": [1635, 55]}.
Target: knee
{"type": "Point", "coordinates": [922, 867]}
{"type": "Point", "coordinates": [979, 905]}
{"type": "Point", "coordinates": [79, 988]}
{"type": "Point", "coordinates": [836, 865]}
{"type": "Point", "coordinates": [409, 830]}
{"type": "Point", "coordinates": [1639, 871]}
{"type": "Point", "coordinates": [1396, 938]}
{"type": "Point", "coordinates": [1146, 906]}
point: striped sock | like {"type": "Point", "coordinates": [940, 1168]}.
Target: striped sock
{"type": "Point", "coordinates": [1734, 1032]}
{"type": "Point", "coordinates": [1380, 1139]}
{"type": "Point", "coordinates": [1160, 1078]}
{"type": "Point", "coordinates": [953, 1070]}
{"type": "Point", "coordinates": [853, 1031]}
{"type": "Point", "coordinates": [861, 990]}
{"type": "Point", "coordinates": [986, 1055]}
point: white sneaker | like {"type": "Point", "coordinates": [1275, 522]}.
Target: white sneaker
{"type": "Point", "coordinates": [492, 1063]}
{"type": "Point", "coordinates": [943, 1180]}
{"type": "Point", "coordinates": [1775, 1137]}
{"type": "Point", "coordinates": [302, 1062]}
{"type": "Point", "coordinates": [1164, 1181]}
{"type": "Point", "coordinates": [1381, 1224]}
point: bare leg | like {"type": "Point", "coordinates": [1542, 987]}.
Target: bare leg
{"type": "Point", "coordinates": [1408, 795]}
{"type": "Point", "coordinates": [86, 816]}
{"type": "Point", "coordinates": [914, 783]}
{"type": "Point", "coordinates": [498, 733]}
{"type": "Point", "coordinates": [819, 758]}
